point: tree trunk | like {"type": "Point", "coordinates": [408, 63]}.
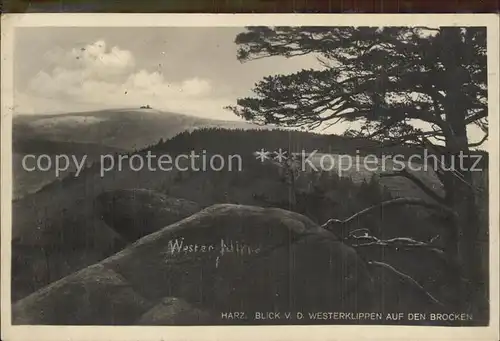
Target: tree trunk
{"type": "Point", "coordinates": [458, 183]}
{"type": "Point", "coordinates": [460, 196]}
{"type": "Point", "coordinates": [464, 245]}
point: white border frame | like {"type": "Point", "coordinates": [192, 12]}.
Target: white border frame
{"type": "Point", "coordinates": [52, 333]}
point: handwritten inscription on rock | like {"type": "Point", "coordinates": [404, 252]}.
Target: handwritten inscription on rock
{"type": "Point", "coordinates": [180, 246]}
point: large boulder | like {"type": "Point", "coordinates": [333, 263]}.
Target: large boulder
{"type": "Point", "coordinates": [224, 259]}
{"type": "Point", "coordinates": [135, 213]}
{"type": "Point", "coordinates": [175, 311]}
{"type": "Point", "coordinates": [76, 240]}
{"type": "Point", "coordinates": [59, 251]}
{"type": "Point", "coordinates": [94, 295]}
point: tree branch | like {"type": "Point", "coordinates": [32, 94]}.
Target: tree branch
{"type": "Point", "coordinates": [407, 138]}
{"type": "Point", "coordinates": [420, 184]}
{"type": "Point", "coordinates": [482, 114]}
{"type": "Point", "coordinates": [342, 225]}
{"type": "Point", "coordinates": [400, 243]}
{"type": "Point", "coordinates": [480, 142]}
{"type": "Point", "coordinates": [406, 278]}
{"type": "Point", "coordinates": [405, 243]}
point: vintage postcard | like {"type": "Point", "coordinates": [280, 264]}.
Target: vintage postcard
{"type": "Point", "coordinates": [237, 177]}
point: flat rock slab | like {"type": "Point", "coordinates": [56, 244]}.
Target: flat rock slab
{"type": "Point", "coordinates": [226, 258]}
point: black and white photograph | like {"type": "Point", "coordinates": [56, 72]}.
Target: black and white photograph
{"type": "Point", "coordinates": [334, 173]}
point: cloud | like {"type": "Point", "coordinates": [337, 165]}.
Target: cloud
{"type": "Point", "coordinates": [98, 74]}
{"type": "Point", "coordinates": [195, 86]}
{"type": "Point", "coordinates": [93, 61]}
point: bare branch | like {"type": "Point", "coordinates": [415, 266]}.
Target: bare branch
{"type": "Point", "coordinates": [482, 124]}
{"type": "Point", "coordinates": [406, 138]}
{"type": "Point", "coordinates": [480, 142]}
{"type": "Point", "coordinates": [441, 173]}
{"type": "Point", "coordinates": [397, 243]}
{"type": "Point", "coordinates": [420, 184]}
{"type": "Point", "coordinates": [332, 124]}
{"type": "Point", "coordinates": [381, 130]}
{"type": "Point", "coordinates": [334, 224]}
{"type": "Point", "coordinates": [480, 115]}
{"type": "Point", "coordinates": [407, 279]}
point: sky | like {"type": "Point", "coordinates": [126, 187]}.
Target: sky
{"type": "Point", "coordinates": [189, 70]}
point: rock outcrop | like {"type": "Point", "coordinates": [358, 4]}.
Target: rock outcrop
{"type": "Point", "coordinates": [226, 258]}
{"type": "Point", "coordinates": [175, 311]}
{"type": "Point", "coordinates": [95, 232]}
{"type": "Point", "coordinates": [135, 213]}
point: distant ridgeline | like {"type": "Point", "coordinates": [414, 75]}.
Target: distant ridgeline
{"type": "Point", "coordinates": [248, 141]}
{"type": "Point", "coordinates": [245, 142]}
